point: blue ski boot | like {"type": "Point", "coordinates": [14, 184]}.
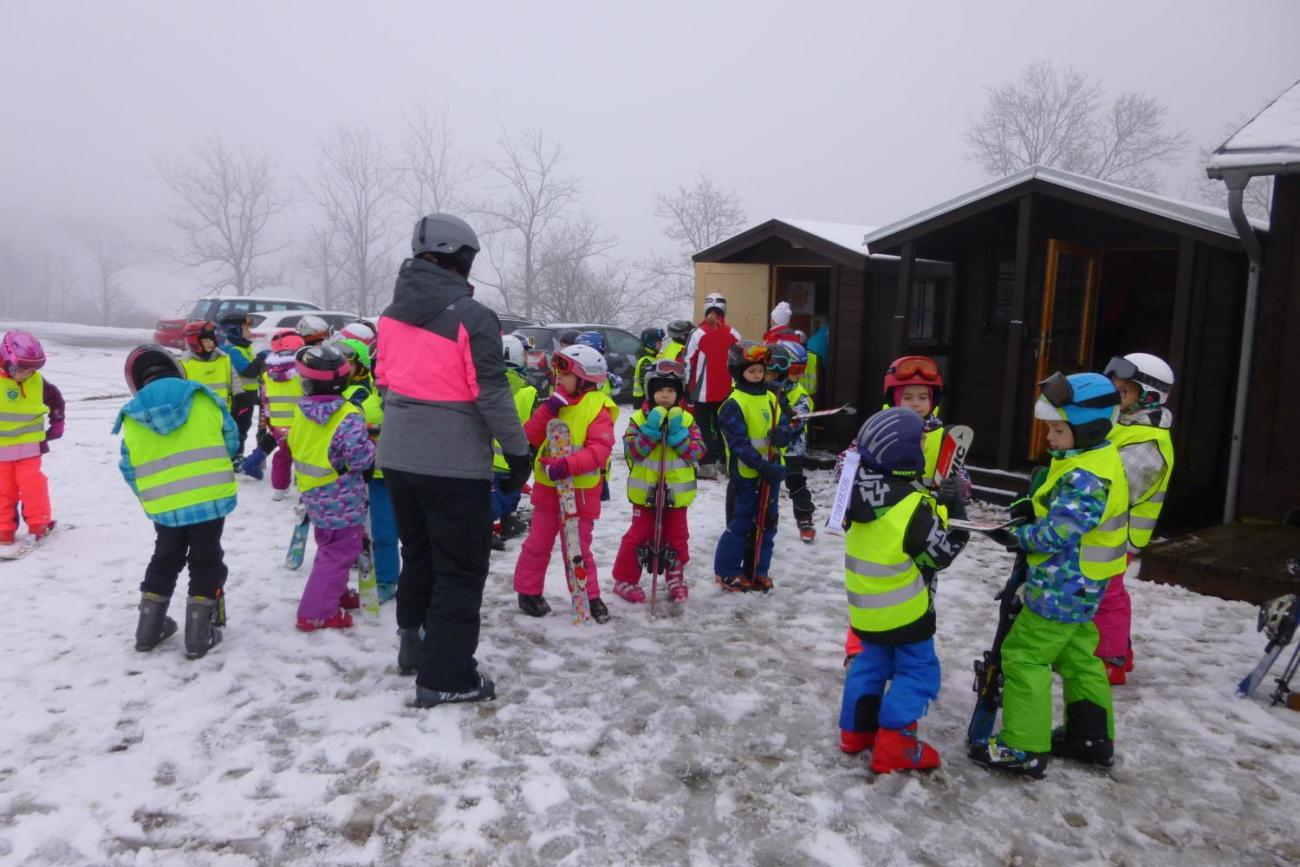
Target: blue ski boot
{"type": "Point", "coordinates": [254, 462]}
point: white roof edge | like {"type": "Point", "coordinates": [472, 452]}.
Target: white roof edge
{"type": "Point", "coordinates": [1269, 139]}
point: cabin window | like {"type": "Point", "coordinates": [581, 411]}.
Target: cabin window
{"type": "Point", "coordinates": [928, 311]}
{"type": "Point", "coordinates": [1002, 298]}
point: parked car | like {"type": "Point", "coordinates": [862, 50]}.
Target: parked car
{"type": "Point", "coordinates": [263, 325]}
{"type": "Point", "coordinates": [621, 348]}
{"type": "Point", "coordinates": [510, 324]}
{"type": "Point", "coordinates": [169, 332]}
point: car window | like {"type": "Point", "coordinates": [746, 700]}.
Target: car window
{"type": "Point", "coordinates": [620, 341]}
{"type": "Point", "coordinates": [278, 305]}
{"type": "Point", "coordinates": [241, 306]}
{"type": "Point", "coordinates": [542, 338]}
{"type": "Point", "coordinates": [290, 321]}
{"type": "Point", "coordinates": [255, 320]}
{"type": "Point", "coordinates": [337, 320]}
{"type": "Point", "coordinates": [200, 310]}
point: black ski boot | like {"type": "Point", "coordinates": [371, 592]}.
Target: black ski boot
{"type": "Point", "coordinates": [154, 624]}
{"type": "Point", "coordinates": [997, 756]}
{"type": "Point", "coordinates": [599, 612]}
{"type": "Point", "coordinates": [408, 651]}
{"type": "Point", "coordinates": [485, 690]}
{"type": "Point", "coordinates": [534, 606]}
{"type": "Point", "coordinates": [1083, 737]}
{"type": "Point", "coordinates": [203, 618]}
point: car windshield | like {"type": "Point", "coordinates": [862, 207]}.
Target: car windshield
{"type": "Point", "coordinates": [199, 310]}
{"type": "Point", "coordinates": [542, 338]}
{"type": "Point", "coordinates": [620, 341]}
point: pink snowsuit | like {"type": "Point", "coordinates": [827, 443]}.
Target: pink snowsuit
{"type": "Point", "coordinates": [535, 554]}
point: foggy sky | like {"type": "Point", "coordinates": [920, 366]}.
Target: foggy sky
{"type": "Point", "coordinates": [845, 111]}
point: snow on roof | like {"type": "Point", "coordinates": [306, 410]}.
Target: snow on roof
{"type": "Point", "coordinates": [846, 235]}
{"type": "Point", "coordinates": [1271, 138]}
{"type": "Point", "coordinates": [1190, 213]}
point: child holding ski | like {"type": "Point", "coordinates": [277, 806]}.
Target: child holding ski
{"type": "Point", "coordinates": [1142, 435]}
{"type": "Point", "coordinates": [504, 503]}
{"type": "Point", "coordinates": [1076, 535]}
{"type": "Point", "coordinates": [26, 400]}
{"type": "Point", "coordinates": [662, 433]}
{"type": "Point", "coordinates": [331, 451]}
{"type": "Point", "coordinates": [177, 444]}
{"type": "Point", "coordinates": [788, 360]}
{"type": "Point", "coordinates": [578, 372]}
{"type": "Point", "coordinates": [281, 390]}
{"type": "Point", "coordinates": [896, 530]}
{"type": "Point", "coordinates": [753, 430]}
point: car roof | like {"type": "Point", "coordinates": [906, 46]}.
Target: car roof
{"type": "Point", "coordinates": [255, 298]}
{"type": "Point", "coordinates": [575, 326]}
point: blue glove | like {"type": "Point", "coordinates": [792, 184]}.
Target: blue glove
{"type": "Point", "coordinates": [771, 472]}
{"type": "Point", "coordinates": [678, 432]}
{"type": "Point", "coordinates": [653, 426]}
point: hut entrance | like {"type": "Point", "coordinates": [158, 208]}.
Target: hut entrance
{"type": "Point", "coordinates": [1066, 332]}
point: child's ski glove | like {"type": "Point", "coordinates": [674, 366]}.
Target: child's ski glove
{"type": "Point", "coordinates": [519, 468]}
{"type": "Point", "coordinates": [771, 472]}
{"type": "Point", "coordinates": [556, 468]}
{"type": "Point", "coordinates": [781, 436]}
{"type": "Point", "coordinates": [56, 429]}
{"type": "Point", "coordinates": [652, 427]}
{"type": "Point", "coordinates": [1022, 511]}
{"type": "Point", "coordinates": [949, 492]}
{"type": "Point", "coordinates": [678, 433]}
{"type": "Point", "coordinates": [556, 402]}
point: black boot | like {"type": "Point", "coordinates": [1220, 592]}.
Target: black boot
{"type": "Point", "coordinates": [484, 690]}
{"type": "Point", "coordinates": [534, 606]}
{"type": "Point", "coordinates": [1084, 736]}
{"type": "Point", "coordinates": [408, 651]}
{"type": "Point", "coordinates": [154, 624]}
{"type": "Point", "coordinates": [202, 616]}
{"type": "Point", "coordinates": [599, 612]}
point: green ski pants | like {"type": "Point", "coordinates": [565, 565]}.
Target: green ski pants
{"type": "Point", "coordinates": [1035, 648]}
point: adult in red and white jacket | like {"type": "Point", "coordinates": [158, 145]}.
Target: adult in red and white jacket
{"type": "Point", "coordinates": [706, 371]}
{"type": "Point", "coordinates": [443, 376]}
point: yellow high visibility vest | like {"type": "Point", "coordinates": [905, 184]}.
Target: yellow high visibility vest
{"type": "Point", "coordinates": [638, 374]}
{"type": "Point", "coordinates": [761, 412]}
{"type": "Point", "coordinates": [679, 473]}
{"type": "Point", "coordinates": [309, 443]}
{"type": "Point", "coordinates": [579, 417]}
{"type": "Point", "coordinates": [22, 410]}
{"type": "Point", "coordinates": [1144, 513]}
{"type": "Point", "coordinates": [809, 378]}
{"type": "Point", "coordinates": [282, 400]}
{"type": "Point", "coordinates": [1103, 550]}
{"type": "Point", "coordinates": [525, 398]}
{"type": "Point", "coordinates": [186, 467]}
{"type": "Point", "coordinates": [885, 587]}
{"type": "Point", "coordinates": [246, 383]}
{"type": "Point", "coordinates": [373, 410]}
{"type": "Point", "coordinates": [671, 351]}
{"type": "Point", "coordinates": [216, 373]}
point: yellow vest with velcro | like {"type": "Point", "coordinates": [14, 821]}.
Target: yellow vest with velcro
{"type": "Point", "coordinates": [761, 412]}
{"type": "Point", "coordinates": [282, 400]}
{"type": "Point", "coordinates": [216, 373]}
{"type": "Point", "coordinates": [809, 378]}
{"type": "Point", "coordinates": [246, 383]}
{"type": "Point", "coordinates": [578, 417]}
{"type": "Point", "coordinates": [186, 467]}
{"type": "Point", "coordinates": [1103, 550]}
{"type": "Point", "coordinates": [679, 473]}
{"type": "Point", "coordinates": [885, 587]}
{"type": "Point", "coordinates": [1144, 513]}
{"type": "Point", "coordinates": [22, 410]}
{"type": "Point", "coordinates": [525, 398]}
{"type": "Point", "coordinates": [670, 351]}
{"type": "Point", "coordinates": [309, 443]}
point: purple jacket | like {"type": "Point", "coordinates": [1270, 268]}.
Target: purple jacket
{"type": "Point", "coordinates": [342, 503]}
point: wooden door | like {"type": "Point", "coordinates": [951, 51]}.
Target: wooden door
{"type": "Point", "coordinates": [747, 288]}
{"type": "Point", "coordinates": [1069, 316]}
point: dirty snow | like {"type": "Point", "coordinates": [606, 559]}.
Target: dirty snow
{"type": "Point", "coordinates": [706, 738]}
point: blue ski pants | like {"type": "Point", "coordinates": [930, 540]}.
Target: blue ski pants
{"type": "Point", "coordinates": [737, 540]}
{"type": "Point", "coordinates": [502, 503]}
{"type": "Point", "coordinates": [911, 672]}
{"type": "Point", "coordinates": [383, 533]}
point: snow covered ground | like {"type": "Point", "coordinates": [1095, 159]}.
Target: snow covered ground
{"type": "Point", "coordinates": [706, 738]}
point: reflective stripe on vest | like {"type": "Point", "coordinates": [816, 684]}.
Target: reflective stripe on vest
{"type": "Point", "coordinates": [309, 443]}
{"type": "Point", "coordinates": [760, 412]}
{"type": "Point", "coordinates": [1144, 513]}
{"type": "Point", "coordinates": [22, 410]}
{"type": "Point", "coordinates": [1103, 549]}
{"type": "Point", "coordinates": [281, 400]}
{"type": "Point", "coordinates": [186, 467]}
{"type": "Point", "coordinates": [679, 474]}
{"type": "Point", "coordinates": [884, 585]}
{"type": "Point", "coordinates": [216, 374]}
{"type": "Point", "coordinates": [579, 417]}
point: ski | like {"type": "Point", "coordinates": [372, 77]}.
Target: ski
{"type": "Point", "coordinates": [1279, 636]}
{"type": "Point", "coordinates": [30, 544]}
{"type": "Point", "coordinates": [298, 541]}
{"type": "Point", "coordinates": [846, 471]}
{"type": "Point", "coordinates": [957, 441]}
{"type": "Point", "coordinates": [845, 409]}
{"type": "Point", "coordinates": [653, 557]}
{"type": "Point", "coordinates": [367, 586]}
{"type": "Point", "coordinates": [559, 443]}
{"type": "Point", "coordinates": [979, 526]}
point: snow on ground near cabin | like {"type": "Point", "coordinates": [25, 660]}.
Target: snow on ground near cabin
{"type": "Point", "coordinates": [706, 738]}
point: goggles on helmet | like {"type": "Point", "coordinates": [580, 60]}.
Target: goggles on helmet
{"type": "Point", "coordinates": [562, 363]}
{"type": "Point", "coordinates": [1059, 393]}
{"type": "Point", "coordinates": [1121, 368]}
{"type": "Point", "coordinates": [757, 353]}
{"type": "Point", "coordinates": [667, 367]}
{"type": "Point", "coordinates": [916, 365]}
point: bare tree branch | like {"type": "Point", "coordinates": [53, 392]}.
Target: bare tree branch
{"type": "Point", "coordinates": [697, 218]}
{"type": "Point", "coordinates": [227, 200]}
{"type": "Point", "coordinates": [110, 253]}
{"type": "Point", "coordinates": [432, 176]}
{"type": "Point", "coordinates": [1258, 198]}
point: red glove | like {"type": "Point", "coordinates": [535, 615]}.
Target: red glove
{"type": "Point", "coordinates": [556, 468]}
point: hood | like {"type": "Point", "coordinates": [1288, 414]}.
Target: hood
{"type": "Point", "coordinates": [163, 406]}
{"type": "Point", "coordinates": [319, 407]}
{"type": "Point", "coordinates": [279, 366]}
{"type": "Point", "coordinates": [423, 290]}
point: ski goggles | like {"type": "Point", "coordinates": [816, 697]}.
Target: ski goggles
{"type": "Point", "coordinates": [1059, 393]}
{"type": "Point", "coordinates": [667, 367]}
{"type": "Point", "coordinates": [779, 363]}
{"type": "Point", "coordinates": [756, 353]}
{"type": "Point", "coordinates": [562, 363]}
{"type": "Point", "coordinates": [915, 365]}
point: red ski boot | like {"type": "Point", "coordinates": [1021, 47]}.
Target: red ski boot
{"type": "Point", "coordinates": [807, 533]}
{"type": "Point", "coordinates": [350, 600]}
{"type": "Point", "coordinates": [676, 584]}
{"type": "Point", "coordinates": [1115, 670]}
{"type": "Point", "coordinates": [734, 583]}
{"type": "Point", "coordinates": [629, 592]}
{"type": "Point", "coordinates": [856, 742]}
{"type": "Point", "coordinates": [899, 750]}
{"type": "Point", "coordinates": [337, 620]}
{"type": "Point", "coordinates": [1128, 659]}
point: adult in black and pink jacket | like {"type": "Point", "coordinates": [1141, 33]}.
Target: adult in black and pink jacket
{"type": "Point", "coordinates": [441, 371]}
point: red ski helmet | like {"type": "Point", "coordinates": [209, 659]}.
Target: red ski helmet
{"type": "Point", "coordinates": [286, 340]}
{"type": "Point", "coordinates": [197, 331]}
{"type": "Point", "coordinates": [913, 370]}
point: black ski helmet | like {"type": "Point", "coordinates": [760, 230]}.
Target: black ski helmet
{"type": "Point", "coordinates": [322, 369]}
{"type": "Point", "coordinates": [745, 354]}
{"type": "Point", "coordinates": [680, 329]}
{"type": "Point", "coordinates": [148, 363]}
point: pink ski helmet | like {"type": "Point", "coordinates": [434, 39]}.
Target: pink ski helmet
{"type": "Point", "coordinates": [21, 351]}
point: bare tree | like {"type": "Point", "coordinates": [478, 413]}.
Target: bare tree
{"type": "Point", "coordinates": [320, 262]}
{"type": "Point", "coordinates": [534, 198]}
{"type": "Point", "coordinates": [433, 176]}
{"type": "Point", "coordinates": [355, 185]}
{"type": "Point", "coordinates": [579, 281]}
{"type": "Point", "coordinates": [696, 219]}
{"type": "Point", "coordinates": [1258, 198]}
{"type": "Point", "coordinates": [228, 198]}
{"type": "Point", "coordinates": [1061, 119]}
{"type": "Point", "coordinates": [110, 253]}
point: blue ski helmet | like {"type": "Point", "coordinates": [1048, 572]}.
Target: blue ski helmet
{"type": "Point", "coordinates": [594, 339]}
{"type": "Point", "coordinates": [890, 442]}
{"type": "Point", "coordinates": [798, 355]}
{"type": "Point", "coordinates": [1087, 402]}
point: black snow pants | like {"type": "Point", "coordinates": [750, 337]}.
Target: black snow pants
{"type": "Point", "coordinates": [800, 497]}
{"type": "Point", "coordinates": [197, 544]}
{"type": "Point", "coordinates": [242, 410]}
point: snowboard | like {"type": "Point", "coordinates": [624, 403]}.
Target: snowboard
{"type": "Point", "coordinates": [559, 443]}
{"type": "Point", "coordinates": [298, 541]}
{"type": "Point", "coordinates": [21, 549]}
{"type": "Point", "coordinates": [367, 585]}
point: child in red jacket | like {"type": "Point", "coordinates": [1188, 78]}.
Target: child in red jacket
{"type": "Point", "coordinates": [579, 371]}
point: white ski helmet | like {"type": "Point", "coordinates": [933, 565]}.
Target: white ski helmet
{"type": "Point", "coordinates": [715, 301]}
{"type": "Point", "coordinates": [1149, 371]}
{"type": "Point", "coordinates": [513, 349]}
{"type": "Point", "coordinates": [313, 329]}
{"type": "Point", "coordinates": [582, 361]}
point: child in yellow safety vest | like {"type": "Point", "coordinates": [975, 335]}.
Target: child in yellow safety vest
{"type": "Point", "coordinates": [577, 400]}
{"type": "Point", "coordinates": [1142, 435]}
{"type": "Point", "coordinates": [205, 364]}
{"type": "Point", "coordinates": [504, 503]}
{"type": "Point", "coordinates": [279, 392]}
{"type": "Point", "coordinates": [177, 442]}
{"type": "Point", "coordinates": [331, 451]}
{"type": "Point", "coordinates": [26, 400]}
{"type": "Point", "coordinates": [661, 434]}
